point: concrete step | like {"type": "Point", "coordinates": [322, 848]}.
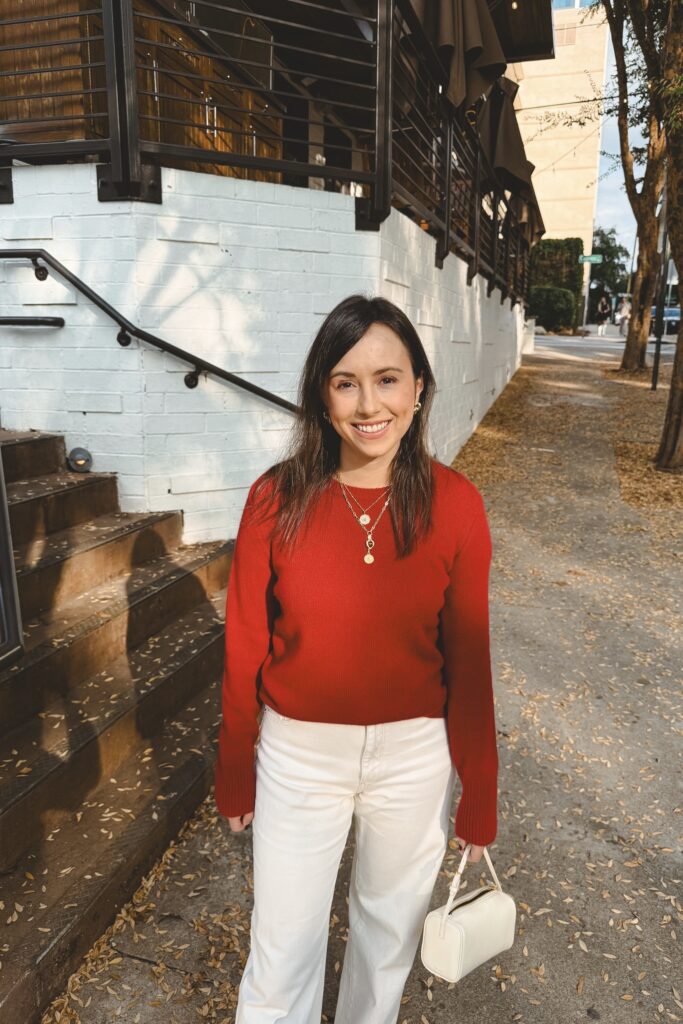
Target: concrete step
{"type": "Point", "coordinates": [46, 504]}
{"type": "Point", "coordinates": [67, 645]}
{"type": "Point", "coordinates": [55, 569]}
{"type": "Point", "coordinates": [49, 765]}
{"type": "Point", "coordinates": [29, 453]}
{"type": "Point", "coordinates": [67, 889]}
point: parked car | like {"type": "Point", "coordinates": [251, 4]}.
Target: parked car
{"type": "Point", "coordinates": [672, 319]}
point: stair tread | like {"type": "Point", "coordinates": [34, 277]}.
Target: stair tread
{"type": "Point", "coordinates": [17, 436]}
{"type": "Point", "coordinates": [60, 875]}
{"type": "Point", "coordinates": [51, 483]}
{"type": "Point", "coordinates": [30, 752]}
{"type": "Point", "coordinates": [59, 626]}
{"type": "Point", "coordinates": [73, 540]}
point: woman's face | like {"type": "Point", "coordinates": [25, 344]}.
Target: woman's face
{"type": "Point", "coordinates": [370, 396]}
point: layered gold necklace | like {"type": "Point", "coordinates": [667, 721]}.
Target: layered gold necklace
{"type": "Point", "coordinates": [363, 519]}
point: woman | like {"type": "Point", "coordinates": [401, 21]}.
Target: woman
{"type": "Point", "coordinates": [603, 314]}
{"type": "Point", "coordinates": [357, 616]}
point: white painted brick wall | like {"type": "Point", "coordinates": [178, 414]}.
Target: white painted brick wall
{"type": "Point", "coordinates": [241, 273]}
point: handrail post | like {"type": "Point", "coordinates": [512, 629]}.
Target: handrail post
{"type": "Point", "coordinates": [473, 268]}
{"type": "Point", "coordinates": [443, 244]}
{"type": "Point", "coordinates": [493, 280]}
{"type": "Point", "coordinates": [126, 177]}
{"type": "Point", "coordinates": [370, 214]}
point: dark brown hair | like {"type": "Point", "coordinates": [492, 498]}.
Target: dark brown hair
{"type": "Point", "coordinates": [314, 450]}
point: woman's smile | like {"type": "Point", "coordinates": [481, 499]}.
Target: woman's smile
{"type": "Point", "coordinates": [373, 429]}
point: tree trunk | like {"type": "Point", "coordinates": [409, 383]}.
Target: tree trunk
{"type": "Point", "coordinates": [670, 454]}
{"type": "Point", "coordinates": [642, 297]}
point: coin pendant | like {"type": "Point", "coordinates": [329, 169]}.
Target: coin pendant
{"type": "Point", "coordinates": [364, 519]}
{"type": "Point", "coordinates": [369, 559]}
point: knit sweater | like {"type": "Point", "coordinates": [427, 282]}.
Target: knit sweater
{"type": "Point", "coordinates": [319, 635]}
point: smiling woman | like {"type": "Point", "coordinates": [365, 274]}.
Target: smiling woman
{"type": "Point", "coordinates": [357, 618]}
{"type": "Point", "coordinates": [371, 397]}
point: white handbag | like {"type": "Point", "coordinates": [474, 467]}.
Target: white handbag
{"type": "Point", "coordinates": [467, 932]}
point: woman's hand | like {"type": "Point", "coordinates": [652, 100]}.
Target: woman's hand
{"type": "Point", "coordinates": [240, 823]}
{"type": "Point", "coordinates": [475, 853]}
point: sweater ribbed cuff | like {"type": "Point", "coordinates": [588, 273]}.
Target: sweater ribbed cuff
{"type": "Point", "coordinates": [476, 819]}
{"type": "Point", "coordinates": [235, 790]}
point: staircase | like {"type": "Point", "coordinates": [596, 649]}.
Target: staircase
{"type": "Point", "coordinates": [108, 722]}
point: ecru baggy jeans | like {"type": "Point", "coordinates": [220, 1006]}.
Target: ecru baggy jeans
{"type": "Point", "coordinates": [395, 782]}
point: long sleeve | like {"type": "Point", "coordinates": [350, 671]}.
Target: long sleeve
{"type": "Point", "coordinates": [467, 667]}
{"type": "Point", "coordinates": [247, 643]}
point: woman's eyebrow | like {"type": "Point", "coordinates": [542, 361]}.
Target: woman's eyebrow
{"type": "Point", "coordinates": [347, 373]}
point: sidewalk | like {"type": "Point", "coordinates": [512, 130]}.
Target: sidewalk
{"type": "Point", "coordinates": [587, 651]}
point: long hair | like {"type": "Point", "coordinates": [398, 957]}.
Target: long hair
{"type": "Point", "coordinates": [315, 445]}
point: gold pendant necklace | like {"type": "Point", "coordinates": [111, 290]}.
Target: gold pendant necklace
{"type": "Point", "coordinates": [364, 518]}
{"type": "Point", "coordinates": [368, 557]}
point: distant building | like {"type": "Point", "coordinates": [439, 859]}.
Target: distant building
{"type": "Point", "coordinates": [566, 158]}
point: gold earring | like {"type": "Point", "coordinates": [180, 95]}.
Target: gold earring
{"type": "Point", "coordinates": [326, 416]}
{"type": "Point", "coordinates": [418, 406]}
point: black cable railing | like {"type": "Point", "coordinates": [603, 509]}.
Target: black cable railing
{"type": "Point", "coordinates": [41, 260]}
{"type": "Point", "coordinates": [312, 94]}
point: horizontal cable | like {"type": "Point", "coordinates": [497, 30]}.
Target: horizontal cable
{"type": "Point", "coordinates": [251, 111]}
{"type": "Point", "coordinates": [52, 70]}
{"type": "Point", "coordinates": [59, 117]}
{"type": "Point", "coordinates": [273, 95]}
{"type": "Point", "coordinates": [37, 44]}
{"type": "Point", "coordinates": [53, 95]}
{"type": "Point", "coordinates": [197, 26]}
{"type": "Point", "coordinates": [39, 20]}
{"type": "Point", "coordinates": [261, 163]}
{"type": "Point", "coordinates": [227, 58]}
{"type": "Point", "coordinates": [223, 130]}
{"type": "Point", "coordinates": [302, 3]}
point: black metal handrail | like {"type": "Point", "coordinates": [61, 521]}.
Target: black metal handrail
{"type": "Point", "coordinates": [31, 321]}
{"type": "Point", "coordinates": [127, 330]}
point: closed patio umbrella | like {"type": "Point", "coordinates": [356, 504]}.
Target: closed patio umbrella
{"type": "Point", "coordinates": [463, 34]}
{"type": "Point", "coordinates": [501, 138]}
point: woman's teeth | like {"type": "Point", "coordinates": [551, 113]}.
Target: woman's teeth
{"type": "Point", "coordinates": [371, 429]}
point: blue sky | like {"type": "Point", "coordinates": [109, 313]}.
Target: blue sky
{"type": "Point", "coordinates": [613, 209]}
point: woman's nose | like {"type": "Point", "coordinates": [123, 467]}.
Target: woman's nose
{"type": "Point", "coordinates": [367, 401]}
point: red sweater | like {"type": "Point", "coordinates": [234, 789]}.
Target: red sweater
{"type": "Point", "coordinates": [320, 636]}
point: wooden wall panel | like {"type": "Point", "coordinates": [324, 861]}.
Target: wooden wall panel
{"type": "Point", "coordinates": [44, 91]}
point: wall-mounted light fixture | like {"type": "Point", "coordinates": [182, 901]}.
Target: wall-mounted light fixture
{"type": "Point", "coordinates": [79, 460]}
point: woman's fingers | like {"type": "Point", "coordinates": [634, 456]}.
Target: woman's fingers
{"type": "Point", "coordinates": [239, 823]}
{"type": "Point", "coordinates": [475, 853]}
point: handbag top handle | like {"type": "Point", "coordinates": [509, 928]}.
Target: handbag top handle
{"type": "Point", "coordinates": [455, 884]}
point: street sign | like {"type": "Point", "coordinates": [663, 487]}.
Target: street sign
{"type": "Point", "coordinates": [596, 258]}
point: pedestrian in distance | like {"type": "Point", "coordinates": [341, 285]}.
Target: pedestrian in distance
{"type": "Point", "coordinates": [357, 678]}
{"type": "Point", "coordinates": [604, 313]}
{"type": "Point", "coordinates": [624, 313]}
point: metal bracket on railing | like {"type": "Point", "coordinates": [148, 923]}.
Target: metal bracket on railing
{"type": "Point", "coordinates": [123, 337]}
{"type": "Point", "coordinates": [39, 270]}
{"type": "Point", "coordinates": [192, 378]}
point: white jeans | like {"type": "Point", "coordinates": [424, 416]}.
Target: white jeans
{"type": "Point", "coordinates": [395, 781]}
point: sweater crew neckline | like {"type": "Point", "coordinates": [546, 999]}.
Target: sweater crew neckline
{"type": "Point", "coordinates": [357, 487]}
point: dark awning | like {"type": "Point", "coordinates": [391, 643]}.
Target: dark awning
{"type": "Point", "coordinates": [464, 36]}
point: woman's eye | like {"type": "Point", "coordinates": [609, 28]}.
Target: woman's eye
{"type": "Point", "coordinates": [342, 386]}
{"type": "Point", "coordinates": [391, 380]}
